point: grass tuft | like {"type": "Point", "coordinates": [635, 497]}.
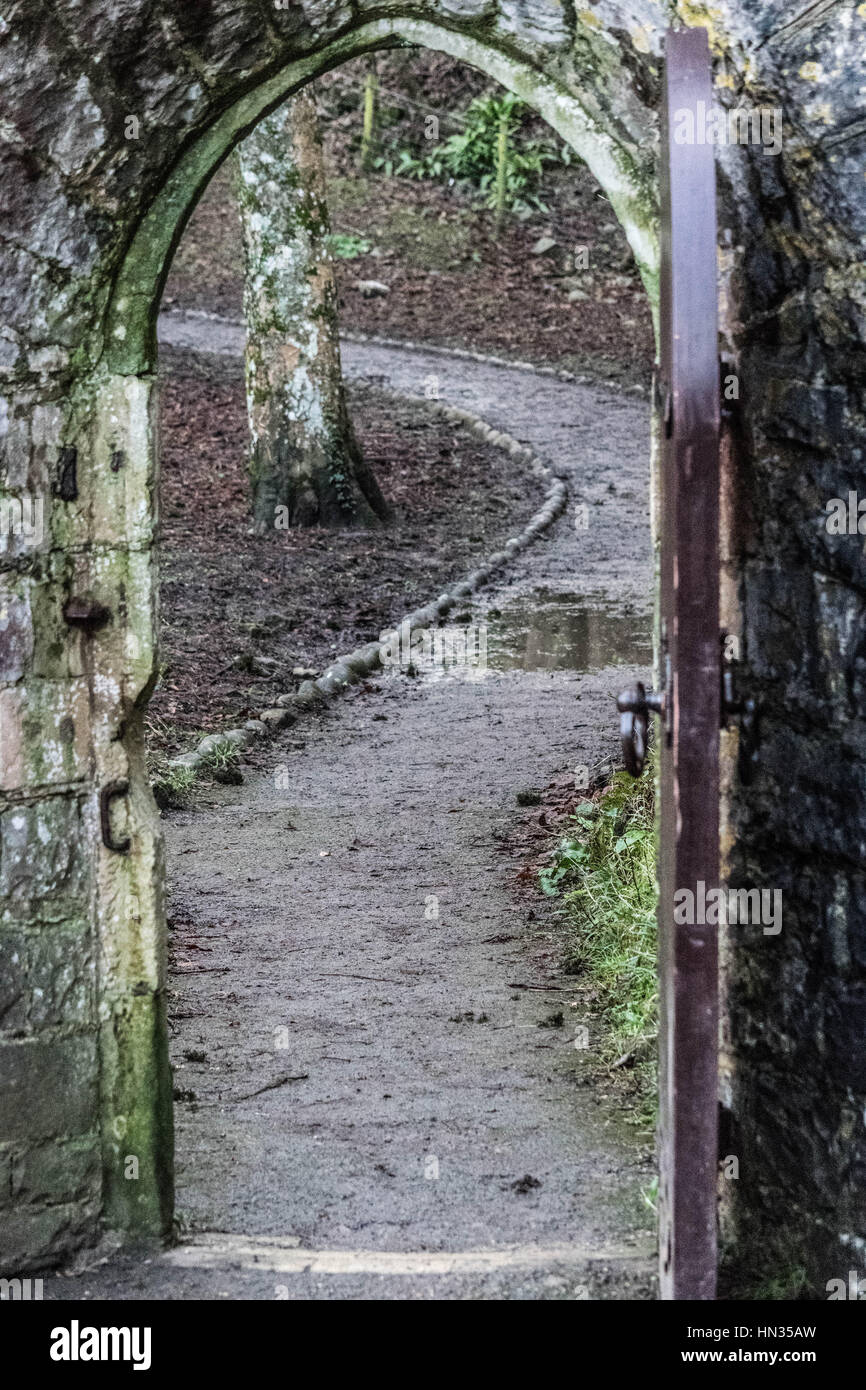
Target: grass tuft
{"type": "Point", "coordinates": [604, 873]}
{"type": "Point", "coordinates": [223, 757]}
{"type": "Point", "coordinates": [172, 786]}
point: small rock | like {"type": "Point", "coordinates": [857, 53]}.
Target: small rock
{"type": "Point", "coordinates": [230, 776]}
{"type": "Point", "coordinates": [525, 1184]}
{"type": "Point", "coordinates": [304, 673]}
{"type": "Point", "coordinates": [276, 718]}
{"type": "Point", "coordinates": [309, 694]}
{"type": "Point", "coordinates": [237, 737]}
{"type": "Point", "coordinates": [554, 1020]}
{"type": "Point", "coordinates": [543, 246]}
{"type": "Point", "coordinates": [529, 797]}
{"type": "Point", "coordinates": [264, 665]}
{"type": "Point", "coordinates": [371, 289]}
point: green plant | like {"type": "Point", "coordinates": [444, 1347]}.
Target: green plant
{"type": "Point", "coordinates": [368, 133]}
{"type": "Point", "coordinates": [171, 784]}
{"type": "Point", "coordinates": [603, 872]}
{"type": "Point", "coordinates": [650, 1194]}
{"type": "Point", "coordinates": [220, 757]}
{"type": "Point", "coordinates": [488, 155]}
{"type": "Point", "coordinates": [348, 246]}
{"type": "Point", "coordinates": [790, 1285]}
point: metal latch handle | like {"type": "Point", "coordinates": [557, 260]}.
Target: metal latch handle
{"type": "Point", "coordinates": [635, 705]}
{"type": "Point", "coordinates": [109, 793]}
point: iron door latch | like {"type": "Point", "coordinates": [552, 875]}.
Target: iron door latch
{"type": "Point", "coordinates": [637, 703]}
{"type": "Point", "coordinates": [109, 793]}
{"type": "Point", "coordinates": [635, 706]}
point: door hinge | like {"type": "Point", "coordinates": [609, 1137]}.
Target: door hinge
{"type": "Point", "coordinates": [735, 708]}
{"type": "Point", "coordinates": [664, 402]}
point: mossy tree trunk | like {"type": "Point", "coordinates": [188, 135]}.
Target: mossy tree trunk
{"type": "Point", "coordinates": [306, 465]}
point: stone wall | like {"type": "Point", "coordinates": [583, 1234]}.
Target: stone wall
{"type": "Point", "coordinates": [101, 162]}
{"type": "Point", "coordinates": [794, 312]}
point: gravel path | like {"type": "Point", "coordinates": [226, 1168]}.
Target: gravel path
{"type": "Point", "coordinates": [372, 1109]}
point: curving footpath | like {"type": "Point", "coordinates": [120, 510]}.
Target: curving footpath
{"type": "Point", "coordinates": [369, 1102]}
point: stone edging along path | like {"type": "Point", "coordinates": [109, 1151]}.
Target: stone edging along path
{"type": "Point", "coordinates": [349, 669]}
{"type": "Point", "coordinates": [487, 359]}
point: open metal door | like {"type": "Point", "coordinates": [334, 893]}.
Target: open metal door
{"type": "Point", "coordinates": [689, 703]}
{"type": "Point", "coordinates": [690, 653]}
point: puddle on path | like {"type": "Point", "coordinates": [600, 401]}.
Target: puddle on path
{"type": "Point", "coordinates": [548, 631]}
{"type": "Point", "coordinates": [541, 630]}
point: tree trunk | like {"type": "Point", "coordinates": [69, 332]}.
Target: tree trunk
{"type": "Point", "coordinates": [306, 465]}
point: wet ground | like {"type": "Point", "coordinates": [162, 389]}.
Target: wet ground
{"type": "Point", "coordinates": [374, 1100]}
{"type": "Point", "coordinates": [546, 630]}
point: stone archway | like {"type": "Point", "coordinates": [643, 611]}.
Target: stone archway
{"type": "Point", "coordinates": [105, 161]}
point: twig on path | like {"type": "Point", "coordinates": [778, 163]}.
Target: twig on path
{"type": "Point", "coordinates": [344, 975]}
{"type": "Point", "coordinates": [544, 989]}
{"type": "Point", "coordinates": [187, 968]}
{"type": "Point", "coordinates": [271, 1086]}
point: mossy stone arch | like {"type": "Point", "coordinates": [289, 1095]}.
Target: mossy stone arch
{"type": "Point", "coordinates": [626, 173]}
{"type": "Point", "coordinates": [115, 403]}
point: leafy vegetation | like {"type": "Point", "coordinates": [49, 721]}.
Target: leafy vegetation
{"type": "Point", "coordinates": [603, 871]}
{"type": "Point", "coordinates": [790, 1285]}
{"type": "Point", "coordinates": [470, 157]}
{"type": "Point", "coordinates": [172, 786]}
{"type": "Point", "coordinates": [175, 785]}
{"type": "Point", "coordinates": [221, 759]}
{"type": "Point", "coordinates": [348, 246]}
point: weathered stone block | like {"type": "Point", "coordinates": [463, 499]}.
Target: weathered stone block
{"type": "Point", "coordinates": [39, 1238]}
{"type": "Point", "coordinates": [44, 735]}
{"type": "Point", "coordinates": [58, 1172]}
{"type": "Point", "coordinates": [42, 854]}
{"type": "Point", "coordinates": [47, 979]}
{"type": "Point", "coordinates": [48, 1087]}
{"type": "Point", "coordinates": [798, 410]}
{"type": "Point", "coordinates": [845, 1030]}
{"type": "Point", "coordinates": [14, 445]}
{"type": "Point", "coordinates": [16, 634]}
{"type": "Point", "coordinates": [5, 1176]}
